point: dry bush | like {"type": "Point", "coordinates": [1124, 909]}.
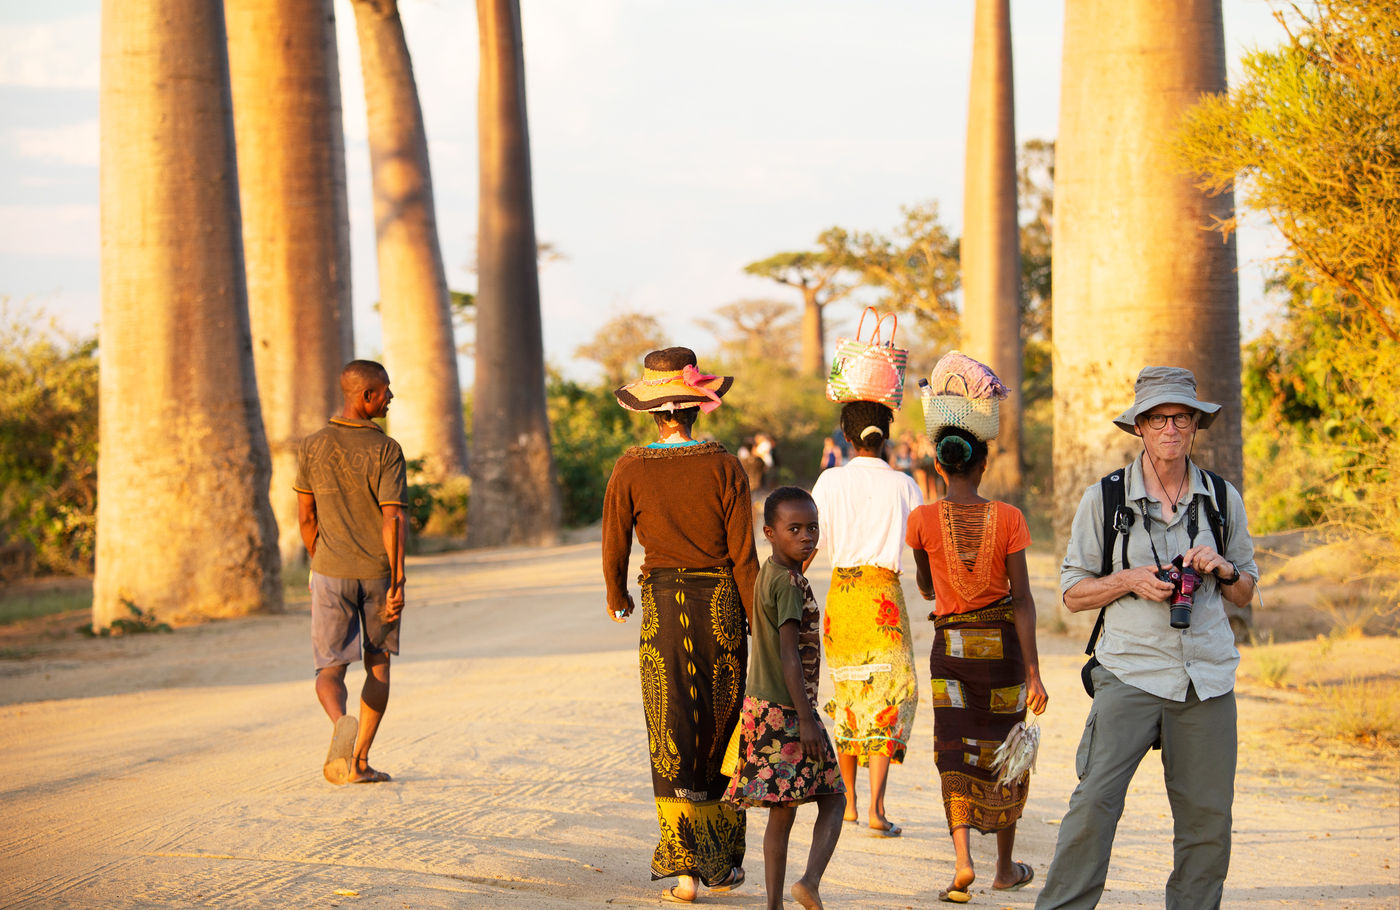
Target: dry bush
{"type": "Point", "coordinates": [1361, 711]}
{"type": "Point", "coordinates": [1270, 665]}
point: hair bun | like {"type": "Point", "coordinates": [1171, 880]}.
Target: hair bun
{"type": "Point", "coordinates": [954, 451]}
{"type": "Point", "coordinates": [871, 430]}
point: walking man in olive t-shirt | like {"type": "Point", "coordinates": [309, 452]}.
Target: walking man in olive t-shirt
{"type": "Point", "coordinates": [350, 501]}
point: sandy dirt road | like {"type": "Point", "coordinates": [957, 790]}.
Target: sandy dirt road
{"type": "Point", "coordinates": [184, 771]}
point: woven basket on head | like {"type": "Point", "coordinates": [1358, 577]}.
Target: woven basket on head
{"type": "Point", "coordinates": [979, 416]}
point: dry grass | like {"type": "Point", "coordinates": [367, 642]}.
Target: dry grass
{"type": "Point", "coordinates": [1342, 689]}
{"type": "Point", "coordinates": [1350, 614]}
{"type": "Point", "coordinates": [1364, 711]}
{"type": "Point", "coordinates": [1271, 665]}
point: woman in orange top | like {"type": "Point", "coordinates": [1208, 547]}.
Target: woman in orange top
{"type": "Point", "coordinates": [971, 553]}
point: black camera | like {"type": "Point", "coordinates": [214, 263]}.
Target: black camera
{"type": "Point", "coordinates": [1184, 581]}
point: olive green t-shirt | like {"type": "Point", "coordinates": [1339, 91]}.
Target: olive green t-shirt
{"type": "Point", "coordinates": [353, 469]}
{"type": "Point", "coordinates": [781, 595]}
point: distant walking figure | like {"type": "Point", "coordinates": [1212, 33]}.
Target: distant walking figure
{"type": "Point", "coordinates": [351, 492]}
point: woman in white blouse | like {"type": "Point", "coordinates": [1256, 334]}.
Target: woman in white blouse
{"type": "Point", "coordinates": [863, 507]}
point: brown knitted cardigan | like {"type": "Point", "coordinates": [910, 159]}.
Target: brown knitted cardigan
{"type": "Point", "coordinates": [691, 510]}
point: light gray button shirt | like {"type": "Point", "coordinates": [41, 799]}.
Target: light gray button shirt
{"type": "Point", "coordinates": [1138, 644]}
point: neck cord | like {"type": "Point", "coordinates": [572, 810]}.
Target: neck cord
{"type": "Point", "coordinates": [1191, 528]}
{"type": "Point", "coordinates": [1185, 476]}
{"type": "Point", "coordinates": [1147, 526]}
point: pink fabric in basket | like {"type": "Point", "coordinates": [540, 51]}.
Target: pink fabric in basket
{"type": "Point", "coordinates": [958, 374]}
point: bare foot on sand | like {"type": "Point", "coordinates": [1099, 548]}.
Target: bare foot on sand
{"type": "Point", "coordinates": [806, 895]}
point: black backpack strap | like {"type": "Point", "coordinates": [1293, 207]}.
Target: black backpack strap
{"type": "Point", "coordinates": [1218, 512]}
{"type": "Point", "coordinates": [1116, 519]}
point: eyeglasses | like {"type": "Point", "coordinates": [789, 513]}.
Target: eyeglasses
{"type": "Point", "coordinates": [1180, 421]}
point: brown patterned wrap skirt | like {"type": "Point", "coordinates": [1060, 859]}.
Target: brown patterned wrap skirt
{"type": "Point", "coordinates": [979, 694]}
{"type": "Point", "coordinates": [693, 655]}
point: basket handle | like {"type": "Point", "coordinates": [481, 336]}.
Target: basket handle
{"type": "Point", "coordinates": [875, 336]}
{"type": "Point", "coordinates": [861, 325]}
{"type": "Point", "coordinates": [951, 376]}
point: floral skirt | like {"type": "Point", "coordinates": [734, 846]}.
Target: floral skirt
{"type": "Point", "coordinates": [871, 656]}
{"type": "Point", "coordinates": [692, 656]}
{"type": "Point", "coordinates": [772, 769]}
{"type": "Point", "coordinates": [979, 694]}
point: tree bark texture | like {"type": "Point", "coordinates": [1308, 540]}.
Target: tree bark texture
{"type": "Point", "coordinates": [1138, 278]}
{"type": "Point", "coordinates": [514, 499]}
{"type": "Point", "coordinates": [813, 350]}
{"type": "Point", "coordinates": [184, 528]}
{"type": "Point", "coordinates": [991, 251]}
{"type": "Point", "coordinates": [419, 351]}
{"type": "Point", "coordinates": [296, 230]}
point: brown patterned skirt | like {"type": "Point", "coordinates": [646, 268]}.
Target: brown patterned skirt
{"type": "Point", "coordinates": [979, 694]}
{"type": "Point", "coordinates": [693, 655]}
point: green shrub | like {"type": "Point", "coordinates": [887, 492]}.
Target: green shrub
{"type": "Point", "coordinates": [48, 441]}
{"type": "Point", "coordinates": [449, 514]}
{"type": "Point", "coordinates": [589, 431]}
{"type": "Point", "coordinates": [137, 623]}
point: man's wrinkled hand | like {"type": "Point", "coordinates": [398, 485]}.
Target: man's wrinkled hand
{"type": "Point", "coordinates": [1206, 561]}
{"type": "Point", "coordinates": [1143, 582]}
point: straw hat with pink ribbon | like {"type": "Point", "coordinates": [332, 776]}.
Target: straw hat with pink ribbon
{"type": "Point", "coordinates": [670, 381]}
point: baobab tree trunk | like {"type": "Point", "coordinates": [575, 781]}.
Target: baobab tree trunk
{"type": "Point", "coordinates": [991, 251]}
{"type": "Point", "coordinates": [419, 350]}
{"type": "Point", "coordinates": [514, 499]}
{"type": "Point", "coordinates": [1138, 279]}
{"type": "Point", "coordinates": [814, 362]}
{"type": "Point", "coordinates": [296, 231]}
{"type": "Point", "coordinates": [184, 529]}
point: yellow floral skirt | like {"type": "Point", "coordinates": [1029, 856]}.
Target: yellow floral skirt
{"type": "Point", "coordinates": [693, 655]}
{"type": "Point", "coordinates": [871, 656]}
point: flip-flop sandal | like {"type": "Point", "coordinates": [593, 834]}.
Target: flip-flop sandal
{"type": "Point", "coordinates": [375, 777]}
{"type": "Point", "coordinates": [734, 879]}
{"type": "Point", "coordinates": [954, 896]}
{"type": "Point", "coordinates": [339, 765]}
{"type": "Point", "coordinates": [670, 895]}
{"type": "Point", "coordinates": [1027, 874]}
{"type": "Point", "coordinates": [892, 830]}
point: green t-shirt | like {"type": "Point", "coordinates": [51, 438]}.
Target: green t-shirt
{"type": "Point", "coordinates": [781, 595]}
{"type": "Point", "coordinates": [353, 469]}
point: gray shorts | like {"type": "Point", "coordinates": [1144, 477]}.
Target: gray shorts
{"type": "Point", "coordinates": [340, 609]}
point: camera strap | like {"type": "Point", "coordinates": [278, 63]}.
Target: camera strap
{"type": "Point", "coordinates": [1118, 520]}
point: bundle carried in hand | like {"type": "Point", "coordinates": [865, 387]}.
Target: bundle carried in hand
{"type": "Point", "coordinates": [1015, 758]}
{"type": "Point", "coordinates": [868, 369]}
{"type": "Point", "coordinates": [963, 392]}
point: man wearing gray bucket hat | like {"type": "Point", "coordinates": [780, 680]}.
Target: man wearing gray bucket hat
{"type": "Point", "coordinates": [1142, 552]}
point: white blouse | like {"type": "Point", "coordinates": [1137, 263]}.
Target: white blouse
{"type": "Point", "coordinates": [862, 508]}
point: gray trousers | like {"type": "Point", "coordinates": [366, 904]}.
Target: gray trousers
{"type": "Point", "coordinates": [1198, 758]}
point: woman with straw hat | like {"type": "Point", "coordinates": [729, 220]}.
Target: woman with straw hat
{"type": "Point", "coordinates": [688, 502]}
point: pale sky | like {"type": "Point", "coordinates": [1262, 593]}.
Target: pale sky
{"type": "Point", "coordinates": [672, 143]}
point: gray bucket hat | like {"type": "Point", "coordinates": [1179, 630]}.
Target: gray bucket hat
{"type": "Point", "coordinates": [1165, 385]}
